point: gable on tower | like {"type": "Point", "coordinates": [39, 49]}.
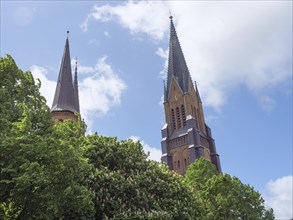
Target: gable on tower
{"type": "Point", "coordinates": [185, 137]}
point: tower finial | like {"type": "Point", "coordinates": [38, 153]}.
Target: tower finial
{"type": "Point", "coordinates": [67, 34]}
{"type": "Point", "coordinates": [171, 17]}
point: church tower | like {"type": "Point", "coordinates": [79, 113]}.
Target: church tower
{"type": "Point", "coordinates": [66, 101]}
{"type": "Point", "coordinates": [185, 136]}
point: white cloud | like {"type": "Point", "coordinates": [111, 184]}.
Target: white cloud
{"type": "Point", "coordinates": [22, 16]}
{"type": "Point", "coordinates": [164, 55]}
{"type": "Point", "coordinates": [107, 34]}
{"type": "Point", "coordinates": [161, 102]}
{"type": "Point", "coordinates": [267, 103]}
{"type": "Point", "coordinates": [226, 44]}
{"type": "Point", "coordinates": [93, 41]}
{"type": "Point", "coordinates": [135, 16]}
{"type": "Point", "coordinates": [155, 154]}
{"type": "Point", "coordinates": [280, 197]}
{"type": "Point", "coordinates": [98, 92]}
{"type": "Point", "coordinates": [47, 86]}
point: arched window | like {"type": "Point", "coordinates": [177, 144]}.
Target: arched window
{"type": "Point", "coordinates": [178, 117]}
{"type": "Point", "coordinates": [178, 164]}
{"type": "Point", "coordinates": [185, 162]}
{"type": "Point", "coordinates": [173, 119]}
{"type": "Point", "coordinates": [183, 115]}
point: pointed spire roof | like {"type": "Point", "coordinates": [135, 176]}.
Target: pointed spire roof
{"type": "Point", "coordinates": [197, 93]}
{"type": "Point", "coordinates": [75, 85]}
{"type": "Point", "coordinates": [165, 90]}
{"type": "Point", "coordinates": [64, 93]}
{"type": "Point", "coordinates": [177, 67]}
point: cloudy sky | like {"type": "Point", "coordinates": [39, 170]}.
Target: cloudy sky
{"type": "Point", "coordinates": [240, 54]}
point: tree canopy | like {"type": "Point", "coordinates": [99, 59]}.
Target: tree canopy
{"type": "Point", "coordinates": [43, 174]}
{"type": "Point", "coordinates": [220, 196]}
{"type": "Point", "coordinates": [55, 171]}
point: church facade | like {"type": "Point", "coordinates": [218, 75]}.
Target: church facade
{"type": "Point", "coordinates": [185, 136]}
{"type": "Point", "coordinates": [66, 100]}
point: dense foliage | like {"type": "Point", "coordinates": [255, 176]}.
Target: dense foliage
{"type": "Point", "coordinates": [54, 171]}
{"type": "Point", "coordinates": [220, 196]}
{"type": "Point", "coordinates": [43, 175]}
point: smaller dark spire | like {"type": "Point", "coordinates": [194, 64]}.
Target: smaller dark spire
{"type": "Point", "coordinates": [197, 92]}
{"type": "Point", "coordinates": [75, 87]}
{"type": "Point", "coordinates": [165, 90]}
{"type": "Point", "coordinates": [67, 34]}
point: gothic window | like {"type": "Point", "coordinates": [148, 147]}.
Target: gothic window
{"type": "Point", "coordinates": [173, 119]}
{"type": "Point", "coordinates": [183, 115]}
{"type": "Point", "coordinates": [178, 117]}
{"type": "Point", "coordinates": [185, 162]}
{"type": "Point", "coordinates": [178, 164]}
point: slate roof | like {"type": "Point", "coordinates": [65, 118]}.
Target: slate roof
{"type": "Point", "coordinates": [64, 93]}
{"type": "Point", "coordinates": [197, 93]}
{"type": "Point", "coordinates": [177, 67]}
{"type": "Point", "coordinates": [179, 133]}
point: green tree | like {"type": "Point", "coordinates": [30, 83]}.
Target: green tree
{"type": "Point", "coordinates": [127, 186]}
{"type": "Point", "coordinates": [199, 173]}
{"type": "Point", "coordinates": [42, 172]}
{"type": "Point", "coordinates": [54, 171]}
{"type": "Point", "coordinates": [220, 196]}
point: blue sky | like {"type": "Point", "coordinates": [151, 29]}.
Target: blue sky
{"type": "Point", "coordinates": [240, 54]}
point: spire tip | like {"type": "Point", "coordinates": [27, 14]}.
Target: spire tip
{"type": "Point", "coordinates": [171, 17]}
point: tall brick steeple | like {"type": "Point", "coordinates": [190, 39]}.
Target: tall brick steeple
{"type": "Point", "coordinates": [185, 136]}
